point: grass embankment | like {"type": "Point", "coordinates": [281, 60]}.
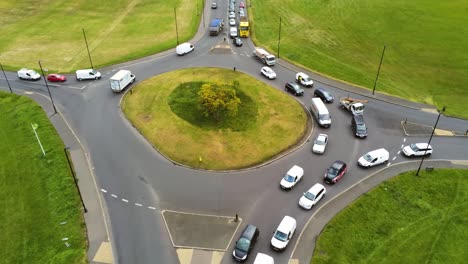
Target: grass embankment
{"type": "Point", "coordinates": [116, 31]}
{"type": "Point", "coordinates": [407, 219]}
{"type": "Point", "coordinates": [426, 44]}
{"type": "Point", "coordinates": [37, 193]}
{"type": "Point", "coordinates": [165, 110]}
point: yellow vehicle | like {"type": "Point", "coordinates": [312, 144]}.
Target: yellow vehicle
{"type": "Point", "coordinates": [244, 27]}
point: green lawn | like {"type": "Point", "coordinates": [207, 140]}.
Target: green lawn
{"type": "Point", "coordinates": [407, 219]}
{"type": "Point", "coordinates": [165, 110]}
{"type": "Point", "coordinates": [51, 31]}
{"type": "Point", "coordinates": [37, 193]}
{"type": "Point", "coordinates": [425, 59]}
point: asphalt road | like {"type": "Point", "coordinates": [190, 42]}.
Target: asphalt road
{"type": "Point", "coordinates": [130, 168]}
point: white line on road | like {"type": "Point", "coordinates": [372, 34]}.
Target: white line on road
{"type": "Point", "coordinates": [137, 204]}
{"type": "Point", "coordinates": [104, 191]}
{"type": "Point", "coordinates": [389, 164]}
{"type": "Point", "coordinates": [402, 146]}
{"type": "Point", "coordinates": [398, 152]}
{"type": "Point", "coordinates": [404, 139]}
{"type": "Point", "coordinates": [125, 200]}
{"type": "Point", "coordinates": [113, 195]}
{"type": "Point", "coordinates": [394, 158]}
{"type": "Point", "coordinates": [151, 207]}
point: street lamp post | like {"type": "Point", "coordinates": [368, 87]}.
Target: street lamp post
{"type": "Point", "coordinates": [87, 47]}
{"type": "Point", "coordinates": [47, 85]}
{"type": "Point", "coordinates": [430, 138]}
{"type": "Point", "coordinates": [378, 71]}
{"type": "Point", "coordinates": [11, 91]}
{"type": "Point", "coordinates": [279, 38]}
{"type": "Point", "coordinates": [176, 28]}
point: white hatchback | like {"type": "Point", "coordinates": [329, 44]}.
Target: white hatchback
{"type": "Point", "coordinates": [233, 32]}
{"type": "Point", "coordinates": [232, 22]}
{"type": "Point", "coordinates": [320, 144]}
{"type": "Point", "coordinates": [268, 72]}
{"type": "Point", "coordinates": [184, 48]}
{"type": "Point", "coordinates": [418, 149]}
{"type": "Point", "coordinates": [293, 176]}
{"type": "Point", "coordinates": [312, 196]}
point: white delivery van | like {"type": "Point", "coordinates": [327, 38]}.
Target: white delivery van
{"type": "Point", "coordinates": [88, 74]}
{"type": "Point", "coordinates": [320, 112]}
{"type": "Point", "coordinates": [120, 80]}
{"type": "Point", "coordinates": [283, 233]}
{"type": "Point", "coordinates": [374, 157]}
{"type": "Point", "coordinates": [263, 259]}
{"type": "Point", "coordinates": [27, 74]}
{"type": "Point", "coordinates": [184, 48]}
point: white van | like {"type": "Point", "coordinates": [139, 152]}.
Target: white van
{"type": "Point", "coordinates": [184, 48]}
{"type": "Point", "coordinates": [375, 157]}
{"type": "Point", "coordinates": [263, 259]}
{"type": "Point", "coordinates": [233, 32]}
{"type": "Point", "coordinates": [320, 112]}
{"type": "Point", "coordinates": [88, 74]}
{"type": "Point", "coordinates": [283, 233]}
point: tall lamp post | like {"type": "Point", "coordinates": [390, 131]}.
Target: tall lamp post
{"type": "Point", "coordinates": [378, 71]}
{"type": "Point", "coordinates": [11, 91]}
{"type": "Point", "coordinates": [47, 85]}
{"type": "Point", "coordinates": [176, 29]}
{"type": "Point", "coordinates": [87, 47]}
{"type": "Point", "coordinates": [279, 38]}
{"type": "Point", "coordinates": [430, 138]}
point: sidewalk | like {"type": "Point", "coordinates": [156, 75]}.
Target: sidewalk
{"type": "Point", "coordinates": [305, 245]}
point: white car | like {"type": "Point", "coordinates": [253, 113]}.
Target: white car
{"type": "Point", "coordinates": [27, 74]}
{"type": "Point", "coordinates": [320, 144]}
{"type": "Point", "coordinates": [232, 15]}
{"type": "Point", "coordinates": [184, 48]}
{"type": "Point", "coordinates": [233, 32]}
{"type": "Point", "coordinates": [304, 79]}
{"type": "Point", "coordinates": [283, 233]}
{"type": "Point", "coordinates": [232, 22]}
{"type": "Point", "coordinates": [374, 157]}
{"type": "Point", "coordinates": [418, 149]}
{"type": "Point", "coordinates": [268, 72]}
{"type": "Point", "coordinates": [293, 176]}
{"type": "Point", "coordinates": [312, 196]}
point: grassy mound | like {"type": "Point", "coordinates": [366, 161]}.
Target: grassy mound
{"type": "Point", "coordinates": [407, 219]}
{"type": "Point", "coordinates": [165, 111]}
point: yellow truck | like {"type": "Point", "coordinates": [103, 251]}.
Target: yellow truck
{"type": "Point", "coordinates": [244, 27]}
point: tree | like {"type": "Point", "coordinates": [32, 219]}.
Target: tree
{"type": "Point", "coordinates": [219, 100]}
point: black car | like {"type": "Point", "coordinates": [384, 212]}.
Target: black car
{"type": "Point", "coordinates": [238, 42]}
{"type": "Point", "coordinates": [359, 126]}
{"type": "Point", "coordinates": [245, 243]}
{"type": "Point", "coordinates": [294, 88]}
{"type": "Point", "coordinates": [324, 95]}
{"type": "Point", "coordinates": [335, 172]}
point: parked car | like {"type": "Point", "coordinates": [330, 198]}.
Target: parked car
{"type": "Point", "coordinates": [245, 243]}
{"type": "Point", "coordinates": [294, 89]}
{"type": "Point", "coordinates": [417, 150]}
{"type": "Point", "coordinates": [323, 94]}
{"type": "Point", "coordinates": [268, 72]}
{"type": "Point", "coordinates": [320, 144]}
{"type": "Point", "coordinates": [184, 48]}
{"type": "Point", "coordinates": [27, 74]}
{"type": "Point", "coordinates": [375, 157]}
{"type": "Point", "coordinates": [359, 126]}
{"type": "Point", "coordinates": [283, 233]}
{"type": "Point", "coordinates": [232, 15]}
{"type": "Point", "coordinates": [56, 77]}
{"type": "Point", "coordinates": [241, 12]}
{"type": "Point", "coordinates": [241, 5]}
{"type": "Point", "coordinates": [233, 32]}
{"type": "Point", "coordinates": [238, 42]}
{"type": "Point", "coordinates": [214, 5]}
{"type": "Point", "coordinates": [335, 172]}
{"type": "Point", "coordinates": [292, 177]}
{"type": "Point", "coordinates": [232, 22]}
{"type": "Point", "coordinates": [312, 196]}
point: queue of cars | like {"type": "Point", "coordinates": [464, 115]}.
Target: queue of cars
{"type": "Point", "coordinates": [32, 75]}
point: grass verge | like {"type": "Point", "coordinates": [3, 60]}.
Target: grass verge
{"type": "Point", "coordinates": [407, 219]}
{"type": "Point", "coordinates": [38, 199]}
{"type": "Point", "coordinates": [425, 43]}
{"type": "Point", "coordinates": [268, 121]}
{"type": "Point", "coordinates": [116, 31]}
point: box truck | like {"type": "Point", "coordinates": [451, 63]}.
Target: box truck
{"type": "Point", "coordinates": [120, 80]}
{"type": "Point", "coordinates": [265, 57]}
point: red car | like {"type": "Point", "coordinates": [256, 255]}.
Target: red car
{"type": "Point", "coordinates": [56, 78]}
{"type": "Point", "coordinates": [241, 5]}
{"type": "Point", "coordinates": [335, 172]}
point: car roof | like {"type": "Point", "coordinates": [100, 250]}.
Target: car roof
{"type": "Point", "coordinates": [316, 188]}
{"type": "Point", "coordinates": [381, 151]}
{"type": "Point", "coordinates": [322, 135]}
{"type": "Point", "coordinates": [422, 145]}
{"type": "Point", "coordinates": [287, 224]}
{"type": "Point", "coordinates": [248, 232]}
{"type": "Point", "coordinates": [295, 170]}
{"type": "Point", "coordinates": [338, 164]}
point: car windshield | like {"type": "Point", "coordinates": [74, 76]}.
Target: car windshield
{"type": "Point", "coordinates": [309, 196]}
{"type": "Point", "coordinates": [320, 141]}
{"type": "Point", "coordinates": [94, 71]}
{"type": "Point", "coordinates": [306, 79]}
{"type": "Point", "coordinates": [414, 147]}
{"type": "Point", "coordinates": [326, 94]}
{"type": "Point", "coordinates": [332, 171]}
{"type": "Point", "coordinates": [288, 178]}
{"type": "Point", "coordinates": [243, 244]}
{"type": "Point", "coordinates": [281, 236]}
{"type": "Point", "coordinates": [324, 117]}
{"type": "Point", "coordinates": [368, 157]}
{"type": "Point", "coordinates": [361, 127]}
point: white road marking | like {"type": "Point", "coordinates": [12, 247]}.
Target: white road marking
{"type": "Point", "coordinates": [394, 158]}
{"type": "Point", "coordinates": [104, 191]}
{"type": "Point", "coordinates": [151, 207]}
{"type": "Point", "coordinates": [398, 152]}
{"type": "Point", "coordinates": [125, 200]}
{"type": "Point", "coordinates": [113, 195]}
{"type": "Point", "coordinates": [404, 139]}
{"type": "Point", "coordinates": [402, 146]}
{"type": "Point", "coordinates": [137, 204]}
{"type": "Point", "coordinates": [389, 164]}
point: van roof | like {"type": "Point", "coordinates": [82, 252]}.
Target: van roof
{"type": "Point", "coordinates": [319, 105]}
{"type": "Point", "coordinates": [287, 224]}
{"type": "Point", "coordinates": [119, 75]}
{"type": "Point", "coordinates": [379, 152]}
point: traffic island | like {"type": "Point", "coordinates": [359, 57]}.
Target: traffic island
{"type": "Point", "coordinates": [200, 231]}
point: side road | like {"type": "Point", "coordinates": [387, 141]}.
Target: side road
{"type": "Point", "coordinates": [305, 245]}
{"type": "Point", "coordinates": [99, 246]}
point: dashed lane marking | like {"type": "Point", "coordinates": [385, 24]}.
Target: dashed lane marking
{"type": "Point", "coordinates": [125, 200]}
{"type": "Point", "coordinates": [402, 146]}
{"type": "Point", "coordinates": [394, 158]}
{"type": "Point", "coordinates": [137, 204]}
{"type": "Point", "coordinates": [399, 152]}
{"type": "Point", "coordinates": [404, 139]}
{"type": "Point", "coordinates": [104, 191]}
{"type": "Point", "coordinates": [113, 195]}
{"type": "Point", "coordinates": [151, 207]}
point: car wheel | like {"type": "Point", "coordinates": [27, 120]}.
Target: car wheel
{"type": "Point", "coordinates": [95, 78]}
{"type": "Point", "coordinates": [428, 154]}
{"type": "Point", "coordinates": [79, 79]}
